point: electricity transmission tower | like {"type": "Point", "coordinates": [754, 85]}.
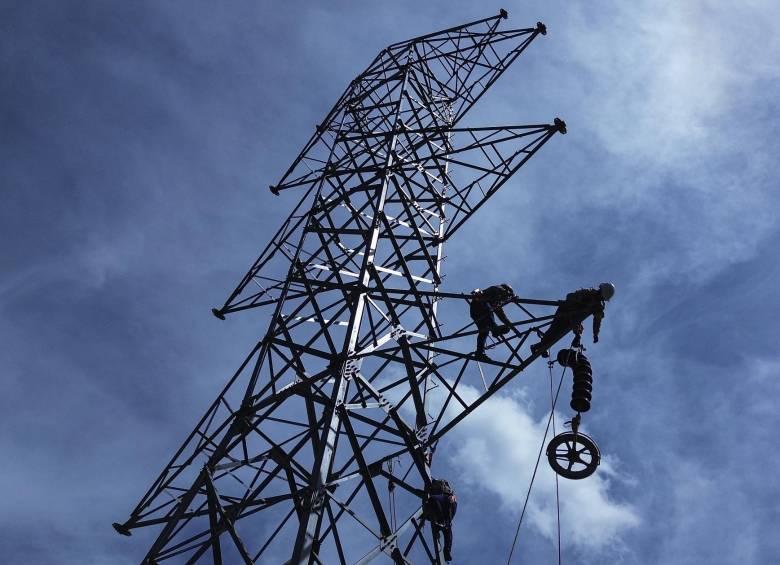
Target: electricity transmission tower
{"type": "Point", "coordinates": [319, 448]}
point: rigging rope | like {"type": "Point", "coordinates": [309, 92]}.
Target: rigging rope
{"type": "Point", "coordinates": [536, 468]}
{"type": "Point", "coordinates": [391, 497]}
{"type": "Point", "coordinates": [557, 494]}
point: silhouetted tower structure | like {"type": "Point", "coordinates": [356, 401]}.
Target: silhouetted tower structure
{"type": "Point", "coordinates": [319, 448]}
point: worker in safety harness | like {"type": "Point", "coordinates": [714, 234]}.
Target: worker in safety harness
{"type": "Point", "coordinates": [485, 306]}
{"type": "Point", "coordinates": [569, 316]}
{"type": "Point", "coordinates": [440, 509]}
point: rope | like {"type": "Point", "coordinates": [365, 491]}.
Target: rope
{"type": "Point", "coordinates": [536, 468]}
{"type": "Point", "coordinates": [557, 494]}
{"type": "Point", "coordinates": [391, 497]}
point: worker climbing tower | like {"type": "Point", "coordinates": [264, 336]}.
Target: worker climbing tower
{"type": "Point", "coordinates": [320, 447]}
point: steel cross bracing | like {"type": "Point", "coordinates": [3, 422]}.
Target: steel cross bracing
{"type": "Point", "coordinates": [318, 450]}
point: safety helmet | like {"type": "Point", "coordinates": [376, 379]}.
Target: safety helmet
{"type": "Point", "coordinates": [508, 290]}
{"type": "Point", "coordinates": [607, 290]}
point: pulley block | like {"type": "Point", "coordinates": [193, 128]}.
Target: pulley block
{"type": "Point", "coordinates": [573, 455]}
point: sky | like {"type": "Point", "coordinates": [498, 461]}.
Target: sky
{"type": "Point", "coordinates": [137, 141]}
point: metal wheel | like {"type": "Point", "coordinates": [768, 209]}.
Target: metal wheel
{"type": "Point", "coordinates": [573, 457]}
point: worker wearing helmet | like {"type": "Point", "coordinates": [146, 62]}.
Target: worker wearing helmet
{"type": "Point", "coordinates": [485, 306]}
{"type": "Point", "coordinates": [440, 508]}
{"type": "Point", "coordinates": [572, 312]}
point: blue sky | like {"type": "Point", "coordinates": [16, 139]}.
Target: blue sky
{"type": "Point", "coordinates": [137, 143]}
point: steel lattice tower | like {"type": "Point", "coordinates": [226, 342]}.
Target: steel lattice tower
{"type": "Point", "coordinates": [319, 448]}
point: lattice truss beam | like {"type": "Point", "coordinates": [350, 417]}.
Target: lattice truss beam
{"type": "Point", "coordinates": [318, 450]}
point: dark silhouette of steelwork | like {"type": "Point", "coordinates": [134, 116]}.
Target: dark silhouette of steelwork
{"type": "Point", "coordinates": [319, 448]}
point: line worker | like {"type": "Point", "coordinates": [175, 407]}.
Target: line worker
{"type": "Point", "coordinates": [485, 306]}
{"type": "Point", "coordinates": [569, 316]}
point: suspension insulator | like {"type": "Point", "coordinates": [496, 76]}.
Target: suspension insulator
{"type": "Point", "coordinates": [582, 390]}
{"type": "Point", "coordinates": [566, 355]}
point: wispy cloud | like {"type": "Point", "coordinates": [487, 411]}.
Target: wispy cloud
{"type": "Point", "coordinates": [143, 138]}
{"type": "Point", "coordinates": [677, 106]}
{"type": "Point", "coordinates": [495, 449]}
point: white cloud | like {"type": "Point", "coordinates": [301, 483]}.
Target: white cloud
{"type": "Point", "coordinates": [663, 74]}
{"type": "Point", "coordinates": [668, 163]}
{"type": "Point", "coordinates": [101, 260]}
{"type": "Point", "coordinates": [495, 448]}
{"type": "Point", "coordinates": [673, 96]}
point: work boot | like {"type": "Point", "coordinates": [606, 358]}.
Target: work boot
{"type": "Point", "coordinates": [499, 330]}
{"type": "Point", "coordinates": [535, 347]}
{"type": "Point", "coordinates": [481, 356]}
